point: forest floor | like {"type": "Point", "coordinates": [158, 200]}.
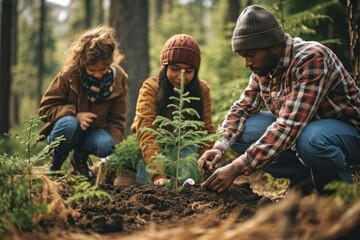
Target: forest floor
{"type": "Point", "coordinates": [250, 209]}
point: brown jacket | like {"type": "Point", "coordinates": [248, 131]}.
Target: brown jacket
{"type": "Point", "coordinates": [64, 97]}
{"type": "Point", "coordinates": [146, 114]}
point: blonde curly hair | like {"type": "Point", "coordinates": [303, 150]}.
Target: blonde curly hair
{"type": "Point", "coordinates": [98, 44]}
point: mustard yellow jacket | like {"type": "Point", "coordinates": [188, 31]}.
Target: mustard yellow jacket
{"type": "Point", "coordinates": [64, 97]}
{"type": "Point", "coordinates": [146, 113]}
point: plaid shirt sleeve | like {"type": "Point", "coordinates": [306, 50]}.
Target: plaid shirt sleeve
{"type": "Point", "coordinates": [249, 103]}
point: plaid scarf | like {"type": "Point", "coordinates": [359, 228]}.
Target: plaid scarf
{"type": "Point", "coordinates": [96, 90]}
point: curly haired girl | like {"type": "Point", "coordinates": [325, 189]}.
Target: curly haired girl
{"type": "Point", "coordinates": [86, 101]}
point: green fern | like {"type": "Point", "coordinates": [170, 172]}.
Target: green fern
{"type": "Point", "coordinates": [85, 190]}
{"type": "Point", "coordinates": [176, 135]}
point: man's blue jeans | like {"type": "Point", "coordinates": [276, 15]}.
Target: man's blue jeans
{"type": "Point", "coordinates": [324, 150]}
{"type": "Point", "coordinates": [98, 142]}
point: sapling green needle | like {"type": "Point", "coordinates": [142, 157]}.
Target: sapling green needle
{"type": "Point", "coordinates": [20, 184]}
{"type": "Point", "coordinates": [176, 135]}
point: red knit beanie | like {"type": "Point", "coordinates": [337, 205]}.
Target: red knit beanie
{"type": "Point", "coordinates": [181, 48]}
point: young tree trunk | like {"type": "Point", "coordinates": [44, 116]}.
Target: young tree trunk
{"type": "Point", "coordinates": [233, 10]}
{"type": "Point", "coordinates": [353, 7]}
{"type": "Point", "coordinates": [88, 13]}
{"type": "Point", "coordinates": [130, 19]}
{"type": "Point", "coordinates": [14, 97]}
{"type": "Point", "coordinates": [41, 51]}
{"type": "Point", "coordinates": [5, 63]}
{"type": "Point", "coordinates": [14, 109]}
{"type": "Point", "coordinates": [100, 12]}
{"type": "Point", "coordinates": [158, 9]}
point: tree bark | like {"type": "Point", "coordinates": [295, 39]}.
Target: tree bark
{"type": "Point", "coordinates": [88, 13]}
{"type": "Point", "coordinates": [5, 63]}
{"type": "Point", "coordinates": [14, 111]}
{"type": "Point", "coordinates": [100, 12]}
{"type": "Point", "coordinates": [158, 9]}
{"type": "Point", "coordinates": [233, 10]}
{"type": "Point", "coordinates": [41, 51]}
{"type": "Point", "coordinates": [130, 19]}
{"type": "Point", "coordinates": [353, 7]}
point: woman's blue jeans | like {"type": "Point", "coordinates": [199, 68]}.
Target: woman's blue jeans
{"type": "Point", "coordinates": [98, 142]}
{"type": "Point", "coordinates": [142, 176]}
{"type": "Point", "coordinates": [324, 150]}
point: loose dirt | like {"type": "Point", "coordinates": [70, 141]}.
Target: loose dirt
{"type": "Point", "coordinates": [245, 211]}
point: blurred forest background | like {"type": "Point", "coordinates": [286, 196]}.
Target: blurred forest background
{"type": "Point", "coordinates": [35, 34]}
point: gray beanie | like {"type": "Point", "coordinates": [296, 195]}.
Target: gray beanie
{"type": "Point", "coordinates": [256, 28]}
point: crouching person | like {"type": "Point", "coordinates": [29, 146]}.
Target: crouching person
{"type": "Point", "coordinates": [85, 102]}
{"type": "Point", "coordinates": [311, 132]}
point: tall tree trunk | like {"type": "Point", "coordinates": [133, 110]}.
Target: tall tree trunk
{"type": "Point", "coordinates": [14, 97]}
{"type": "Point", "coordinates": [100, 12]}
{"type": "Point", "coordinates": [88, 13]}
{"type": "Point", "coordinates": [233, 10]}
{"type": "Point", "coordinates": [14, 109]}
{"type": "Point", "coordinates": [41, 50]}
{"type": "Point", "coordinates": [353, 7]}
{"type": "Point", "coordinates": [130, 19]}
{"type": "Point", "coordinates": [5, 63]}
{"type": "Point", "coordinates": [158, 9]}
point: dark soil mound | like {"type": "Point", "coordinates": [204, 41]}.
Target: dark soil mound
{"type": "Point", "coordinates": [136, 208]}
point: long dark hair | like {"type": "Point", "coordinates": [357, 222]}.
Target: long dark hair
{"type": "Point", "coordinates": [166, 90]}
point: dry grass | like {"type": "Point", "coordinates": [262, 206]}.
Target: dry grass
{"type": "Point", "coordinates": [293, 217]}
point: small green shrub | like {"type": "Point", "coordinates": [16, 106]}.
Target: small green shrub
{"type": "Point", "coordinates": [344, 192]}
{"type": "Point", "coordinates": [19, 184]}
{"type": "Point", "coordinates": [126, 155]}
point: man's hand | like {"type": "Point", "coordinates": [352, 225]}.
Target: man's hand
{"type": "Point", "coordinates": [85, 119]}
{"type": "Point", "coordinates": [209, 159]}
{"type": "Point", "coordinates": [221, 179]}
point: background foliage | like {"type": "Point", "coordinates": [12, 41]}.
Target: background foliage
{"type": "Point", "coordinates": [207, 20]}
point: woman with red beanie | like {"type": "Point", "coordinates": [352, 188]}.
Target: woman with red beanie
{"type": "Point", "coordinates": [180, 51]}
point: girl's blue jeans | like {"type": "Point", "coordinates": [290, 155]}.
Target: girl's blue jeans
{"type": "Point", "coordinates": [324, 150]}
{"type": "Point", "coordinates": [98, 142]}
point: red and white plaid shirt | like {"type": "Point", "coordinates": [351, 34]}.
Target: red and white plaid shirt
{"type": "Point", "coordinates": [309, 83]}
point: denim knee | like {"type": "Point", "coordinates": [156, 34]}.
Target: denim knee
{"type": "Point", "coordinates": [317, 147]}
{"type": "Point", "coordinates": [106, 148]}
{"type": "Point", "coordinates": [323, 147]}
{"type": "Point", "coordinates": [254, 128]}
{"type": "Point", "coordinates": [316, 152]}
{"type": "Point", "coordinates": [99, 142]}
{"type": "Point", "coordinates": [309, 149]}
{"type": "Point", "coordinates": [66, 126]}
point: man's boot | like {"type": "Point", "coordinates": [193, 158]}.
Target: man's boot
{"type": "Point", "coordinates": [79, 161]}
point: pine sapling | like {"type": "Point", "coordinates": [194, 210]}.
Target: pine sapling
{"type": "Point", "coordinates": [19, 184]}
{"type": "Point", "coordinates": [175, 136]}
